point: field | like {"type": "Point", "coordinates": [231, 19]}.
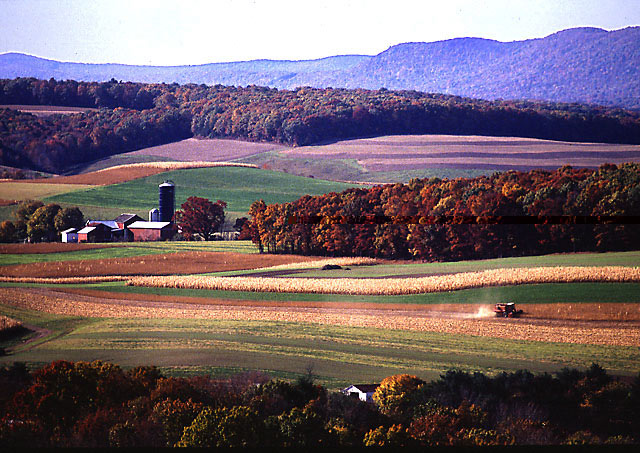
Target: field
{"type": "Point", "coordinates": [47, 110]}
{"type": "Point", "coordinates": [239, 187]}
{"type": "Point", "coordinates": [400, 158]}
{"type": "Point", "coordinates": [343, 338]}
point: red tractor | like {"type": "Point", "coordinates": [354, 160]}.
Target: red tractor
{"type": "Point", "coordinates": [507, 310]}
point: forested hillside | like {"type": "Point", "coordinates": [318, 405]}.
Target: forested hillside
{"type": "Point", "coordinates": [586, 65]}
{"type": "Point", "coordinates": [507, 214]}
{"type": "Point", "coordinates": [135, 115]}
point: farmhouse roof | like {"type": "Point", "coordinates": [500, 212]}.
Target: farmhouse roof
{"type": "Point", "coordinates": [149, 225]}
{"type": "Point", "coordinates": [70, 230]}
{"type": "Point", "coordinates": [364, 388]}
{"type": "Point", "coordinates": [86, 230]}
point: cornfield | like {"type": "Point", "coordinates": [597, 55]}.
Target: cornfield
{"type": "Point", "coordinates": [397, 286]}
{"type": "Point", "coordinates": [319, 263]}
{"type": "Point", "coordinates": [63, 280]}
{"type": "Point", "coordinates": [176, 165]}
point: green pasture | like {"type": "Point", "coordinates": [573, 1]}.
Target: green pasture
{"type": "Point", "coordinates": [337, 355]}
{"type": "Point", "coordinates": [239, 187]}
{"type": "Point", "coordinates": [129, 249]}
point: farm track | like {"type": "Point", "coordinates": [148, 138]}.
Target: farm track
{"type": "Point", "coordinates": [432, 318]}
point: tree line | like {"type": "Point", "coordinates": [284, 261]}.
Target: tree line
{"type": "Point", "coordinates": [98, 404]}
{"type": "Point", "coordinates": [37, 222]}
{"type": "Point", "coordinates": [507, 214]}
{"type": "Point", "coordinates": [136, 115]}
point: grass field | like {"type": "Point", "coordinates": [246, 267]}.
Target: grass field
{"type": "Point", "coordinates": [24, 190]}
{"type": "Point", "coordinates": [239, 187]}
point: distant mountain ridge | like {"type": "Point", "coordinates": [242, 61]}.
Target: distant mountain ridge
{"type": "Point", "coordinates": [585, 65]}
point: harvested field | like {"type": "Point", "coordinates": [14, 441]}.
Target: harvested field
{"type": "Point", "coordinates": [160, 264]}
{"type": "Point", "coordinates": [397, 286]}
{"type": "Point", "coordinates": [50, 247]}
{"type": "Point", "coordinates": [195, 149]}
{"type": "Point", "coordinates": [578, 332]}
{"type": "Point", "coordinates": [128, 172]}
{"type": "Point", "coordinates": [393, 153]}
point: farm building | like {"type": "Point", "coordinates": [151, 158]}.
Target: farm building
{"type": "Point", "coordinates": [70, 235]}
{"type": "Point", "coordinates": [151, 231]}
{"type": "Point", "coordinates": [364, 392]}
{"type": "Point", "coordinates": [98, 232]}
{"type": "Point", "coordinates": [124, 220]}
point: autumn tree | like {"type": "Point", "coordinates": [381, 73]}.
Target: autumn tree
{"type": "Point", "coordinates": [7, 231]}
{"type": "Point", "coordinates": [394, 394]}
{"type": "Point", "coordinates": [200, 217]}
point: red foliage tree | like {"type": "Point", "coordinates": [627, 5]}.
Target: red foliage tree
{"type": "Point", "coordinates": [200, 217]}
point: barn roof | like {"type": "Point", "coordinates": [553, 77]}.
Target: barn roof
{"type": "Point", "coordinates": [86, 230]}
{"type": "Point", "coordinates": [108, 223]}
{"type": "Point", "coordinates": [70, 230]}
{"type": "Point", "coordinates": [149, 225]}
{"type": "Point", "coordinates": [126, 217]}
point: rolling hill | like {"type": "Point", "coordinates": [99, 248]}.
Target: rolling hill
{"type": "Point", "coordinates": [586, 65]}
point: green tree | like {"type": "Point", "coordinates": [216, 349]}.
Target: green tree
{"type": "Point", "coordinates": [22, 215]}
{"type": "Point", "coordinates": [68, 218]}
{"type": "Point", "coordinates": [41, 224]}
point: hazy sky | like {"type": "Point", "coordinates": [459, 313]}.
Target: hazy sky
{"type": "Point", "coordinates": [204, 31]}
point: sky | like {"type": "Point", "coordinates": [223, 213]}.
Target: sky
{"type": "Point", "coordinates": [207, 31]}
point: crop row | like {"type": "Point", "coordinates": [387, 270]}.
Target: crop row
{"type": "Point", "coordinates": [397, 286]}
{"type": "Point", "coordinates": [355, 261]}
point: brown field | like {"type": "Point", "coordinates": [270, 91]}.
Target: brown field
{"type": "Point", "coordinates": [128, 172]}
{"type": "Point", "coordinates": [165, 264]}
{"type": "Point", "coordinates": [50, 247]}
{"type": "Point", "coordinates": [214, 150]}
{"type": "Point", "coordinates": [446, 151]}
{"type": "Point", "coordinates": [433, 318]}
{"type": "Point", "coordinates": [398, 286]}
{"type": "Point", "coordinates": [47, 110]}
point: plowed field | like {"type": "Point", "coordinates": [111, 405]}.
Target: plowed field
{"type": "Point", "coordinates": [433, 319]}
{"type": "Point", "coordinates": [165, 264]}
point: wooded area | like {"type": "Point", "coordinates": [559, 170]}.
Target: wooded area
{"type": "Point", "coordinates": [136, 115]}
{"type": "Point", "coordinates": [507, 214]}
{"type": "Point", "coordinates": [98, 404]}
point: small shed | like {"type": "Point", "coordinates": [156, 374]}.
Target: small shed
{"type": "Point", "coordinates": [70, 235]}
{"type": "Point", "coordinates": [364, 392]}
{"type": "Point", "coordinates": [151, 231]}
{"type": "Point", "coordinates": [98, 232]}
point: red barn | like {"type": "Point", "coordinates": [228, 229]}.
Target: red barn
{"type": "Point", "coordinates": [151, 231]}
{"type": "Point", "coordinates": [97, 232]}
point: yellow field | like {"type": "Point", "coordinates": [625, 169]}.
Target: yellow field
{"type": "Point", "coordinates": [17, 191]}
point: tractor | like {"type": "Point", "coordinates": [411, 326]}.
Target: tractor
{"type": "Point", "coordinates": [507, 310]}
